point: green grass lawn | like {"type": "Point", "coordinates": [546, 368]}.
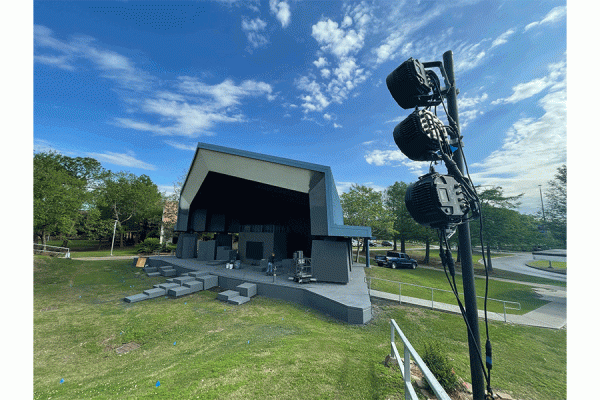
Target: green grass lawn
{"type": "Point", "coordinates": [546, 264]}
{"type": "Point", "coordinates": [431, 278]}
{"type": "Point", "coordinates": [198, 347]}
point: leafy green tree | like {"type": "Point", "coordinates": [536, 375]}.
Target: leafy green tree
{"type": "Point", "coordinates": [363, 206]}
{"type": "Point", "coordinates": [502, 225]}
{"type": "Point", "coordinates": [404, 226]}
{"type": "Point", "coordinates": [61, 188]}
{"type": "Point", "coordinates": [124, 198]}
{"type": "Point", "coordinates": [556, 214]}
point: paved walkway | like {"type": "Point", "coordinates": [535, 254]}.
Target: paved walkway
{"type": "Point", "coordinates": [552, 315]}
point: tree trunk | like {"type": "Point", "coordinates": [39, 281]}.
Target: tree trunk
{"type": "Point", "coordinates": [395, 245]}
{"type": "Point", "coordinates": [357, 248]}
{"type": "Point", "coordinates": [121, 244]}
{"type": "Point", "coordinates": [426, 261]}
{"type": "Point", "coordinates": [402, 245]}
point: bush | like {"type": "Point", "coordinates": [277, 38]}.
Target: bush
{"type": "Point", "coordinates": [440, 366]}
{"type": "Point", "coordinates": [149, 245]}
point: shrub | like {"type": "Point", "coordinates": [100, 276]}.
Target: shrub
{"type": "Point", "coordinates": [440, 366]}
{"type": "Point", "coordinates": [149, 245]}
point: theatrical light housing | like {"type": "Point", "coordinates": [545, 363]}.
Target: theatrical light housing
{"type": "Point", "coordinates": [411, 85]}
{"type": "Point", "coordinates": [437, 201]}
{"type": "Point", "coordinates": [422, 136]}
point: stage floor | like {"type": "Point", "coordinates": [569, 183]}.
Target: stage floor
{"type": "Point", "coordinates": [348, 302]}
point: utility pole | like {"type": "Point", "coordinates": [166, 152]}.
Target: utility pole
{"type": "Point", "coordinates": [464, 243]}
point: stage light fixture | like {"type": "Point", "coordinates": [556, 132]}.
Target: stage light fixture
{"type": "Point", "coordinates": [411, 85]}
{"type": "Point", "coordinates": [422, 137]}
{"type": "Point", "coordinates": [437, 201]}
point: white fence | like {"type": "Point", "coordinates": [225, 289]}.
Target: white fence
{"type": "Point", "coordinates": [409, 351]}
{"type": "Point", "coordinates": [51, 250]}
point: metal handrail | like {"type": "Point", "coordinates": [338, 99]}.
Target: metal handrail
{"type": "Point", "coordinates": [517, 305]}
{"type": "Point", "coordinates": [41, 248]}
{"type": "Point", "coordinates": [409, 390]}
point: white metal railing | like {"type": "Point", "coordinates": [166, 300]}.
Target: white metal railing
{"type": "Point", "coordinates": [52, 250]}
{"type": "Point", "coordinates": [409, 390]}
{"type": "Point", "coordinates": [506, 305]}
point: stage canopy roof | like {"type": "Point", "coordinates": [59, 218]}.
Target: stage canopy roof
{"type": "Point", "coordinates": [236, 187]}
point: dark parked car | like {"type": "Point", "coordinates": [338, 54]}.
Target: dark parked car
{"type": "Point", "coordinates": [394, 259]}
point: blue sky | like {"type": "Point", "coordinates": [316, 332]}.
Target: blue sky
{"type": "Point", "coordinates": [137, 85]}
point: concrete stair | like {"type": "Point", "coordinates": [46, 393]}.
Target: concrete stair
{"type": "Point", "coordinates": [242, 295]}
{"type": "Point", "coordinates": [175, 287]}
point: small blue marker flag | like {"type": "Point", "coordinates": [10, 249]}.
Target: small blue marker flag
{"type": "Point", "coordinates": [174, 343]}
{"type": "Point", "coordinates": [62, 380]}
{"type": "Point", "coordinates": [157, 383]}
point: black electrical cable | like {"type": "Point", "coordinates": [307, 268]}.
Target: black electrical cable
{"type": "Point", "coordinates": [470, 186]}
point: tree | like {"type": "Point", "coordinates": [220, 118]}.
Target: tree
{"type": "Point", "coordinates": [501, 224]}
{"type": "Point", "coordinates": [60, 190]}
{"type": "Point", "coordinates": [404, 226]}
{"type": "Point", "coordinates": [557, 205]}
{"type": "Point", "coordinates": [363, 206]}
{"type": "Point", "coordinates": [125, 198]}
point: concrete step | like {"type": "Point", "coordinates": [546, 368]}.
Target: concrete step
{"type": "Point", "coordinates": [247, 289]}
{"type": "Point", "coordinates": [228, 294]}
{"type": "Point", "coordinates": [166, 286]}
{"type": "Point", "coordinates": [179, 291]}
{"type": "Point", "coordinates": [208, 281]}
{"type": "Point", "coordinates": [181, 279]}
{"type": "Point", "coordinates": [237, 300]}
{"type": "Point", "coordinates": [155, 292]}
{"type": "Point", "coordinates": [194, 285]}
{"type": "Point", "coordinates": [153, 274]}
{"type": "Point", "coordinates": [168, 272]}
{"type": "Point", "coordinates": [136, 297]}
{"type": "Point", "coordinates": [148, 269]}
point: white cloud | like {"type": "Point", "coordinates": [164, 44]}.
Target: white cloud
{"type": "Point", "coordinates": [528, 89]}
{"type": "Point", "coordinates": [555, 15]}
{"type": "Point", "coordinates": [532, 151]}
{"type": "Point", "coordinates": [337, 126]}
{"type": "Point", "coordinates": [114, 66]}
{"type": "Point", "coordinates": [321, 62]}
{"type": "Point", "coordinates": [339, 42]}
{"type": "Point", "coordinates": [395, 158]}
{"type": "Point", "coordinates": [181, 146]}
{"type": "Point", "coordinates": [503, 38]}
{"type": "Point", "coordinates": [123, 159]}
{"type": "Point", "coordinates": [281, 10]}
{"type": "Point", "coordinates": [252, 27]}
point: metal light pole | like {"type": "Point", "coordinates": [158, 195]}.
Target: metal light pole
{"type": "Point", "coordinates": [542, 200]}
{"type": "Point", "coordinates": [113, 239]}
{"type": "Point", "coordinates": [464, 242]}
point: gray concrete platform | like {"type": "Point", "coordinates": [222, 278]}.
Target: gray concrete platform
{"type": "Point", "coordinates": [153, 274]}
{"type": "Point", "coordinates": [349, 302]}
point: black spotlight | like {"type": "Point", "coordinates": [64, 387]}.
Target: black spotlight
{"type": "Point", "coordinates": [437, 201]}
{"type": "Point", "coordinates": [411, 84]}
{"type": "Point", "coordinates": [421, 136]}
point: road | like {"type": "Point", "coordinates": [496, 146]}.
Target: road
{"type": "Point", "coordinates": [516, 263]}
